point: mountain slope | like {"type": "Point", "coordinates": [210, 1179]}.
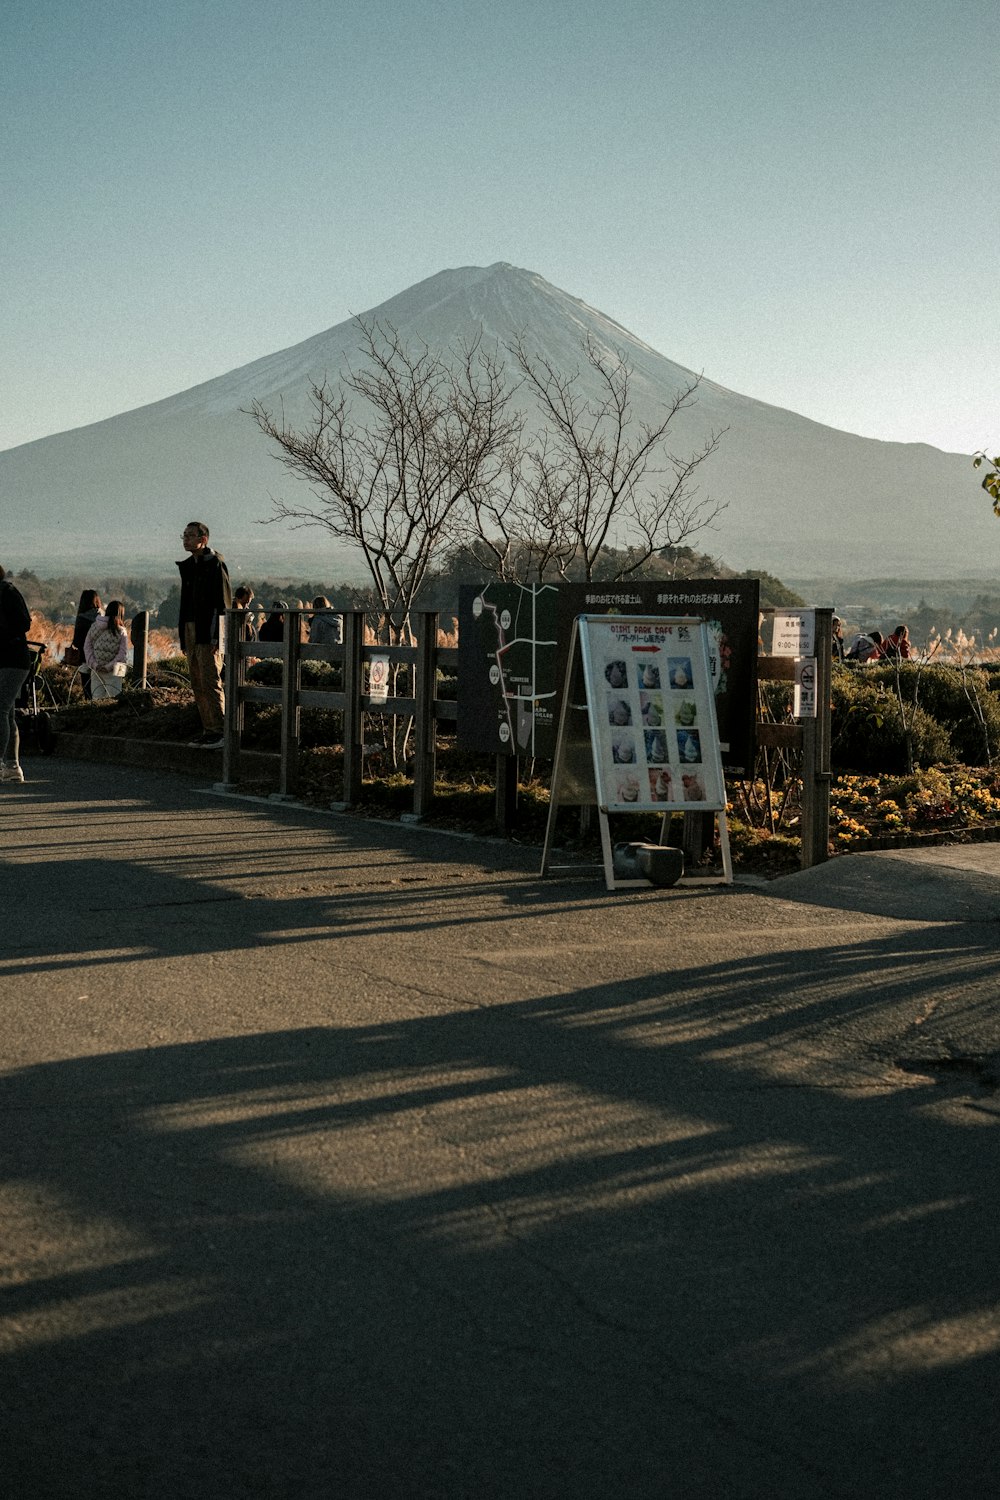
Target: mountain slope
{"type": "Point", "coordinates": [800, 496]}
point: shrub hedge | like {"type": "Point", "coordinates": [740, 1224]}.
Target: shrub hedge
{"type": "Point", "coordinates": [885, 718]}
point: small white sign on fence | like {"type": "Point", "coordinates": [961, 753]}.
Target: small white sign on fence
{"type": "Point", "coordinates": [795, 634]}
{"type": "Point", "coordinates": [804, 701]}
{"type": "Point", "coordinates": [378, 679]}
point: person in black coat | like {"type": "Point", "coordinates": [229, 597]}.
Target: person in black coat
{"type": "Point", "coordinates": [206, 594]}
{"type": "Point", "coordinates": [15, 662]}
{"type": "Point", "coordinates": [87, 611]}
{"type": "Point", "coordinates": [273, 628]}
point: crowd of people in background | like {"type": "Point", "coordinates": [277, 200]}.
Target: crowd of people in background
{"type": "Point", "coordinates": [100, 644]}
{"type": "Point", "coordinates": [871, 646]}
{"type": "Point", "coordinates": [324, 627]}
{"type": "Point", "coordinates": [99, 649]}
{"type": "Point", "coordinates": [98, 626]}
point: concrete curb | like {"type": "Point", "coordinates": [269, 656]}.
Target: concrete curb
{"type": "Point", "coordinates": [163, 755]}
{"type": "Point", "coordinates": [259, 765]}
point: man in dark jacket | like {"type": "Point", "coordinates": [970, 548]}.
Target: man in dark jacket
{"type": "Point", "coordinates": [206, 594]}
{"type": "Point", "coordinates": [15, 663]}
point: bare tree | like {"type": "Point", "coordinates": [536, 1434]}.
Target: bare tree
{"type": "Point", "coordinates": [596, 476]}
{"type": "Point", "coordinates": [434, 429]}
{"type": "Point", "coordinates": [437, 461]}
{"type": "Point", "coordinates": [509, 527]}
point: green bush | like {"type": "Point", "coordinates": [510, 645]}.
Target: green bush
{"type": "Point", "coordinates": [776, 699]}
{"type": "Point", "coordinates": [958, 698]}
{"type": "Point", "coordinates": [314, 674]}
{"type": "Point", "coordinates": [266, 671]}
{"type": "Point", "coordinates": [170, 668]}
{"type": "Point", "coordinates": [869, 730]}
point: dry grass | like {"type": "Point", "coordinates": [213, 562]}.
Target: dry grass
{"type": "Point", "coordinates": [56, 638]}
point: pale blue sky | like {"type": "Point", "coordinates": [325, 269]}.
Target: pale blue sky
{"type": "Point", "coordinates": [800, 199]}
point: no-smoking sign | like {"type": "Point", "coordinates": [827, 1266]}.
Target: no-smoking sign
{"type": "Point", "coordinates": [804, 706]}
{"type": "Point", "coordinates": [378, 678]}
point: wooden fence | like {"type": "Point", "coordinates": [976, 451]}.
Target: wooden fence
{"type": "Point", "coordinates": [423, 665]}
{"type": "Point", "coordinates": [810, 736]}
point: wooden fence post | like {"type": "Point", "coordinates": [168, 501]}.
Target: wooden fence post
{"type": "Point", "coordinates": [235, 679]}
{"type": "Point", "coordinates": [291, 714]}
{"type": "Point", "coordinates": [140, 650]}
{"type": "Point", "coordinates": [697, 832]}
{"type": "Point", "coordinates": [425, 728]}
{"type": "Point", "coordinates": [506, 795]}
{"type": "Point", "coordinates": [354, 639]}
{"type": "Point", "coordinates": [816, 738]}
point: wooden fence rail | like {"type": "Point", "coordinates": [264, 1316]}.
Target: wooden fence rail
{"type": "Point", "coordinates": [422, 664]}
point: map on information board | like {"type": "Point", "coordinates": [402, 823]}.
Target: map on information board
{"type": "Point", "coordinates": [729, 608]}
{"type": "Point", "coordinates": [507, 699]}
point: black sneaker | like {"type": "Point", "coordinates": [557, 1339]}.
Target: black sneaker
{"type": "Point", "coordinates": [212, 741]}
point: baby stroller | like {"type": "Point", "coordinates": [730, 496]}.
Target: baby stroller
{"type": "Point", "coordinates": [33, 725]}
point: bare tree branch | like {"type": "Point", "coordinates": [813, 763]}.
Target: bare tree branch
{"type": "Point", "coordinates": [397, 454]}
{"type": "Point", "coordinates": [598, 475]}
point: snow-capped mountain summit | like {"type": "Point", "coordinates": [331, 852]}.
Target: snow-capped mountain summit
{"type": "Point", "coordinates": [800, 497]}
{"type": "Point", "coordinates": [498, 303]}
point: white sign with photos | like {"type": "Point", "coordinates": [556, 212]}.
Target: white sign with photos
{"type": "Point", "coordinates": [652, 714]}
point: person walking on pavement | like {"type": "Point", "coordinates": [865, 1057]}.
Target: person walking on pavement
{"type": "Point", "coordinates": [206, 594]}
{"type": "Point", "coordinates": [15, 661]}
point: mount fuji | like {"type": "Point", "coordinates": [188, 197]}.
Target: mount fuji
{"type": "Point", "coordinates": [801, 498]}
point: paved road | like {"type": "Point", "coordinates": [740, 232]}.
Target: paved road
{"type": "Point", "coordinates": [340, 1160]}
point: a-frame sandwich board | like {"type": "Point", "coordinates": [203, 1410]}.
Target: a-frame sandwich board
{"type": "Point", "coordinates": [637, 729]}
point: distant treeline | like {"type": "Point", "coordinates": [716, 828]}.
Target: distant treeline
{"type": "Point", "coordinates": [57, 598]}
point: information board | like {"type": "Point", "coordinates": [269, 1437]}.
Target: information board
{"type": "Point", "coordinates": [513, 647]}
{"type": "Point", "coordinates": [507, 655]}
{"type": "Point", "coordinates": [729, 608]}
{"type": "Point", "coordinates": [637, 728]}
{"type": "Point", "coordinates": [652, 714]}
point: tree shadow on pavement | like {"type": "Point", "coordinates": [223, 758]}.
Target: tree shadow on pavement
{"type": "Point", "coordinates": [575, 1245]}
{"type": "Point", "coordinates": [697, 1227]}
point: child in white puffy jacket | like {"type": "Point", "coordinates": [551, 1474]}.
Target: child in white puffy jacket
{"type": "Point", "coordinates": [106, 651]}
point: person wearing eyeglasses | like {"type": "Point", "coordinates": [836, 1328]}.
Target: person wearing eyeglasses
{"type": "Point", "coordinates": [206, 594]}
